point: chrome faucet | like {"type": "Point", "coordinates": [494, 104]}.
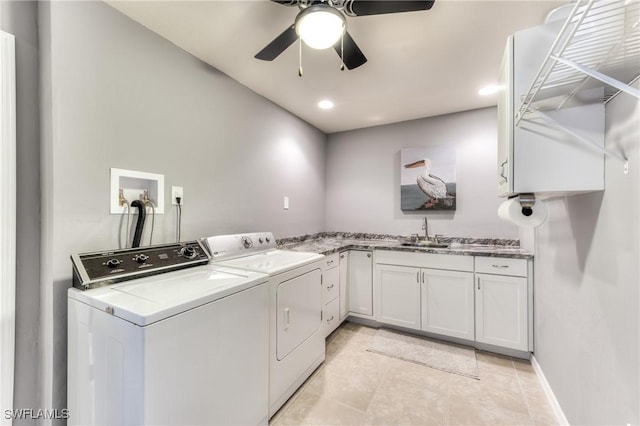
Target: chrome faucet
{"type": "Point", "coordinates": [425, 226]}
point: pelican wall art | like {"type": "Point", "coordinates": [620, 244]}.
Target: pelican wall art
{"type": "Point", "coordinates": [428, 178]}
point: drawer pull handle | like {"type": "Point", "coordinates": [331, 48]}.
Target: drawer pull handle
{"type": "Point", "coordinates": [330, 319]}
{"type": "Point", "coordinates": [330, 287]}
{"type": "Point", "coordinates": [342, 256]}
{"type": "Point", "coordinates": [418, 276]}
{"type": "Point", "coordinates": [500, 266]}
{"type": "Point", "coordinates": [368, 254]}
{"type": "Point", "coordinates": [330, 262]}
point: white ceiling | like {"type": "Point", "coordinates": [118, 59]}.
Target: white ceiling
{"type": "Point", "coordinates": [420, 64]}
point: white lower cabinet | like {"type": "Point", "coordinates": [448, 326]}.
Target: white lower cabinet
{"type": "Point", "coordinates": [331, 284]}
{"type": "Point", "coordinates": [473, 298]}
{"type": "Point", "coordinates": [344, 284]}
{"type": "Point", "coordinates": [360, 282]}
{"type": "Point", "coordinates": [331, 293]}
{"type": "Point", "coordinates": [502, 311]}
{"type": "Point", "coordinates": [331, 316]}
{"type": "Point", "coordinates": [432, 300]}
{"type": "Point", "coordinates": [399, 299]}
{"type": "Point", "coordinates": [448, 303]}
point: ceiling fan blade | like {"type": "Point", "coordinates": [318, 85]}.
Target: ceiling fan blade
{"type": "Point", "coordinates": [378, 7]}
{"type": "Point", "coordinates": [278, 45]}
{"type": "Point", "coordinates": [286, 2]}
{"type": "Point", "coordinates": [353, 56]}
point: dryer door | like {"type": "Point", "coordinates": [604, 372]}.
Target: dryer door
{"type": "Point", "coordinates": [298, 310]}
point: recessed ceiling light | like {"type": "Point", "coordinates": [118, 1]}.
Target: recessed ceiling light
{"type": "Point", "coordinates": [325, 104]}
{"type": "Point", "coordinates": [489, 90]}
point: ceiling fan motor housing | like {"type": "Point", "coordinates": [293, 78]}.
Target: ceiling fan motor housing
{"type": "Point", "coordinates": [320, 26]}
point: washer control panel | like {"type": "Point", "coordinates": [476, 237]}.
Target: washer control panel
{"type": "Point", "coordinates": [97, 269]}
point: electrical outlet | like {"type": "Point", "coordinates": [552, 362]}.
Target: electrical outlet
{"type": "Point", "coordinates": [177, 191]}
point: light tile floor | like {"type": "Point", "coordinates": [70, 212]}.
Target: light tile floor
{"type": "Point", "coordinates": [356, 387]}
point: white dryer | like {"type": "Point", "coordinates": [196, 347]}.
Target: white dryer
{"type": "Point", "coordinates": [180, 347]}
{"type": "Point", "coordinates": [297, 344]}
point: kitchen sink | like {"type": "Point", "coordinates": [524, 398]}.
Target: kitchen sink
{"type": "Point", "coordinates": [425, 244]}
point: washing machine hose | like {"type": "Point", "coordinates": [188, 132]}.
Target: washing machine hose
{"type": "Point", "coordinates": [142, 212]}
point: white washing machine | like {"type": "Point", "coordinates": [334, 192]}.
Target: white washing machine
{"type": "Point", "coordinates": [297, 344]}
{"type": "Point", "coordinates": [181, 347]}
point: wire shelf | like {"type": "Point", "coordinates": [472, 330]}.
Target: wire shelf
{"type": "Point", "coordinates": [598, 46]}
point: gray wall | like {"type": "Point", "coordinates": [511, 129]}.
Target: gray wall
{"type": "Point", "coordinates": [117, 95]}
{"type": "Point", "coordinates": [587, 299]}
{"type": "Point", "coordinates": [20, 19]}
{"type": "Point", "coordinates": [363, 177]}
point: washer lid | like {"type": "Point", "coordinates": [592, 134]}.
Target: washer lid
{"type": "Point", "coordinates": [273, 262]}
{"type": "Point", "coordinates": [148, 300]}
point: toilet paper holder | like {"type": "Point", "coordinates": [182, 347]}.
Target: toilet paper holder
{"type": "Point", "coordinates": [527, 202]}
{"type": "Point", "coordinates": [523, 210]}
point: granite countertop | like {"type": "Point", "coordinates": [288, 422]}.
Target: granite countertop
{"type": "Point", "coordinates": [332, 242]}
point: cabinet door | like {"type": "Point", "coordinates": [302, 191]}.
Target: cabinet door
{"type": "Point", "coordinates": [448, 303]}
{"type": "Point", "coordinates": [501, 311]}
{"type": "Point", "coordinates": [360, 282]}
{"type": "Point", "coordinates": [344, 285]}
{"type": "Point", "coordinates": [399, 295]}
{"type": "Point", "coordinates": [505, 122]}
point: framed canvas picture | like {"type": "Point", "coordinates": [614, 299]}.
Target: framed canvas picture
{"type": "Point", "coordinates": [428, 178]}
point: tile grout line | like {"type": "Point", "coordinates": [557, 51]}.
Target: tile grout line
{"type": "Point", "coordinates": [293, 398]}
{"type": "Point", "coordinates": [382, 380]}
{"type": "Point", "coordinates": [335, 402]}
{"type": "Point", "coordinates": [447, 416]}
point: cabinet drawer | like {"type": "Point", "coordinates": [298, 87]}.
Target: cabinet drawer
{"type": "Point", "coordinates": [331, 261]}
{"type": "Point", "coordinates": [331, 284]}
{"type": "Point", "coordinates": [501, 266]}
{"type": "Point", "coordinates": [331, 316]}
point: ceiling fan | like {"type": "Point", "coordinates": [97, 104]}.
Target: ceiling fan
{"type": "Point", "coordinates": [321, 24]}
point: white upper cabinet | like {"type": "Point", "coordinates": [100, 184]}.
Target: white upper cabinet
{"type": "Point", "coordinates": [541, 154]}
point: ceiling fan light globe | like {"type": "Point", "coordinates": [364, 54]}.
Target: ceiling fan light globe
{"type": "Point", "coordinates": [320, 27]}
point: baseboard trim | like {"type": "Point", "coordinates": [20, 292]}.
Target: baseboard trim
{"type": "Point", "coordinates": [555, 405]}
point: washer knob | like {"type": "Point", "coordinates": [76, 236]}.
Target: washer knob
{"type": "Point", "coordinates": [188, 252]}
{"type": "Point", "coordinates": [267, 239]}
{"type": "Point", "coordinates": [141, 258]}
{"type": "Point", "coordinates": [112, 263]}
{"type": "Point", "coordinates": [260, 240]}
